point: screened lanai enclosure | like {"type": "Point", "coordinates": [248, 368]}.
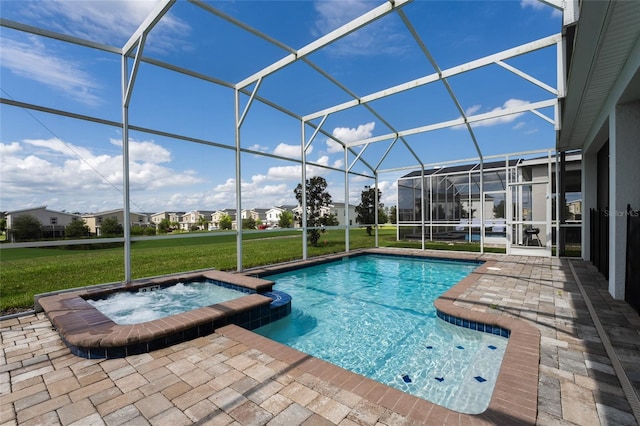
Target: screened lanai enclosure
{"type": "Point", "coordinates": [514, 209]}
{"type": "Point", "coordinates": [451, 109]}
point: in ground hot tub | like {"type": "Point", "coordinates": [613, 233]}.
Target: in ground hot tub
{"type": "Point", "coordinates": [90, 333]}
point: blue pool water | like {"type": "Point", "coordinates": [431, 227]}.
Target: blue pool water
{"type": "Point", "coordinates": [374, 315]}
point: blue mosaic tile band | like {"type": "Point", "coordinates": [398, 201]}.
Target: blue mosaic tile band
{"type": "Point", "coordinates": [474, 325]}
{"type": "Point", "coordinates": [280, 298]}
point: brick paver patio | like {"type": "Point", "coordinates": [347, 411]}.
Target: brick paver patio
{"type": "Point", "coordinates": [236, 377]}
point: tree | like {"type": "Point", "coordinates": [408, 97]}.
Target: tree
{"type": "Point", "coordinates": [164, 226]}
{"type": "Point", "coordinates": [366, 209]}
{"type": "Point", "coordinates": [110, 227]}
{"type": "Point", "coordinates": [498, 209]}
{"type": "Point", "coordinates": [76, 229]}
{"type": "Point", "coordinates": [249, 223]}
{"type": "Point", "coordinates": [383, 217]}
{"type": "Point", "coordinates": [393, 215]}
{"type": "Point", "coordinates": [459, 212]}
{"type": "Point", "coordinates": [286, 219]}
{"type": "Point", "coordinates": [26, 227]}
{"type": "Point", "coordinates": [202, 222]}
{"type": "Point", "coordinates": [329, 220]}
{"type": "Point", "coordinates": [3, 225]}
{"type": "Point", "coordinates": [317, 199]}
{"type": "Point", "coordinates": [226, 222]}
{"type": "Point", "coordinates": [136, 230]}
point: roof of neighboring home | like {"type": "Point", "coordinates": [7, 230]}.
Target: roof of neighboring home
{"type": "Point", "coordinates": [462, 168]}
{"type": "Point", "coordinates": [14, 212]}
{"type": "Point", "coordinates": [104, 213]}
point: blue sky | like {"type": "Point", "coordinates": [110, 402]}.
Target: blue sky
{"type": "Point", "coordinates": [73, 165]}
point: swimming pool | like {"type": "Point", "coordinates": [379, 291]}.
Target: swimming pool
{"type": "Point", "coordinates": [374, 315]}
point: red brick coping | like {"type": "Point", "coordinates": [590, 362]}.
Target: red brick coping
{"type": "Point", "coordinates": [91, 334]}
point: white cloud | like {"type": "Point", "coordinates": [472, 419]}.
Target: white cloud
{"type": "Point", "coordinates": [257, 193]}
{"type": "Point", "coordinates": [511, 103]}
{"type": "Point", "coordinates": [294, 173]}
{"type": "Point", "coordinates": [332, 15]}
{"type": "Point", "coordinates": [110, 22]}
{"type": "Point", "coordinates": [368, 178]}
{"type": "Point", "coordinates": [56, 147]}
{"type": "Point", "coordinates": [285, 172]}
{"type": "Point", "coordinates": [381, 37]}
{"type": "Point", "coordinates": [146, 151]}
{"type": "Point", "coordinates": [323, 160]}
{"type": "Point", "coordinates": [8, 149]}
{"type": "Point", "coordinates": [33, 61]}
{"type": "Point", "coordinates": [389, 189]}
{"type": "Point", "coordinates": [534, 4]}
{"type": "Point", "coordinates": [333, 147]}
{"type": "Point", "coordinates": [538, 5]}
{"type": "Point", "coordinates": [349, 134]}
{"type": "Point", "coordinates": [519, 125]}
{"type": "Point", "coordinates": [259, 148]}
{"type": "Point", "coordinates": [291, 151]}
{"type": "Point", "coordinates": [473, 109]}
{"type": "Point", "coordinates": [46, 169]}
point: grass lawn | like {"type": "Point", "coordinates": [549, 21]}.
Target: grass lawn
{"type": "Point", "coordinates": [25, 272]}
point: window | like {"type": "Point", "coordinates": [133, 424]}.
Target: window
{"type": "Point", "coordinates": [53, 220]}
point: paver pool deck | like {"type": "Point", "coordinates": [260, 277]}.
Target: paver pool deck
{"type": "Point", "coordinates": [234, 376]}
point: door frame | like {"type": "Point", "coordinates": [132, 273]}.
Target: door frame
{"type": "Point", "coordinates": [516, 225]}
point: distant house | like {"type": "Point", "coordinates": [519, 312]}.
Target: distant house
{"type": "Point", "coordinates": [156, 218]}
{"type": "Point", "coordinates": [297, 212]}
{"type": "Point", "coordinates": [274, 213]}
{"type": "Point", "coordinates": [53, 222]}
{"type": "Point", "coordinates": [336, 209]}
{"type": "Point", "coordinates": [191, 219]}
{"type": "Point", "coordinates": [339, 211]}
{"type": "Point", "coordinates": [218, 214]}
{"type": "Point", "coordinates": [94, 220]}
{"type": "Point", "coordinates": [255, 214]}
{"type": "Point", "coordinates": [574, 208]}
